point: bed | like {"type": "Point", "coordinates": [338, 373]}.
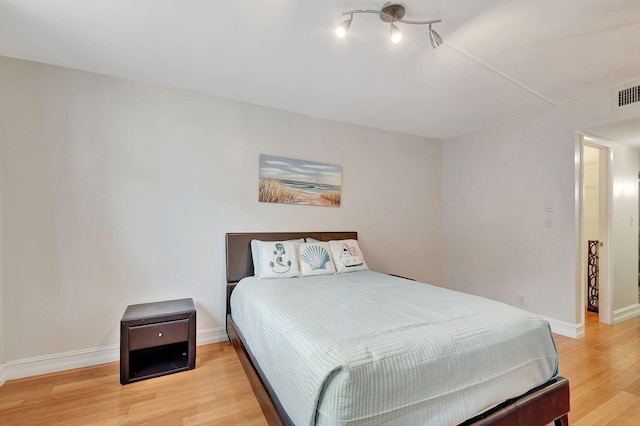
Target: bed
{"type": "Point", "coordinates": [297, 395]}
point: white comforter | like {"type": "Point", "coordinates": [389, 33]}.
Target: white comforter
{"type": "Point", "coordinates": [366, 348]}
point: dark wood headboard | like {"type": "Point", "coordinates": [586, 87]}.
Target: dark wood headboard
{"type": "Point", "coordinates": [239, 261]}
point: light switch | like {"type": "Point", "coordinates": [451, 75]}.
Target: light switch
{"type": "Point", "coordinates": [548, 206]}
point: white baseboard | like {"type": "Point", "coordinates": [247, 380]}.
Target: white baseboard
{"type": "Point", "coordinates": [626, 313]}
{"type": "Point", "coordinates": [35, 366]}
{"type": "Point", "coordinates": [212, 335]}
{"type": "Point", "coordinates": [576, 331]}
{"type": "Point", "coordinates": [2, 375]}
{"type": "Point", "coordinates": [567, 329]}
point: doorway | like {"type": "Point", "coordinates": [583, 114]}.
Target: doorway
{"type": "Point", "coordinates": [591, 225]}
{"type": "Point", "coordinates": [595, 246]}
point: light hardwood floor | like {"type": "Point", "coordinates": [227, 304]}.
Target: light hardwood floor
{"type": "Point", "coordinates": [216, 392]}
{"type": "Point", "coordinates": [603, 369]}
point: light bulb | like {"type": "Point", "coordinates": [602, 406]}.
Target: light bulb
{"type": "Point", "coordinates": [343, 28]}
{"type": "Point", "coordinates": [396, 35]}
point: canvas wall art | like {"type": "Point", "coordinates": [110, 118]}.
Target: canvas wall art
{"type": "Point", "coordinates": [291, 181]}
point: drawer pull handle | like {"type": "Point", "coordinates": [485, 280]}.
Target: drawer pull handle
{"type": "Point", "coordinates": [160, 334]}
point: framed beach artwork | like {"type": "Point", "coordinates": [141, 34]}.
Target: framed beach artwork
{"type": "Point", "coordinates": [291, 181]}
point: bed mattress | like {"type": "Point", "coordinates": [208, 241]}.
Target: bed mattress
{"type": "Point", "coordinates": [367, 348]}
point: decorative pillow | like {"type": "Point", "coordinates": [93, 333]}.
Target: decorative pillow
{"type": "Point", "coordinates": [255, 254]}
{"type": "Point", "coordinates": [278, 259]}
{"type": "Point", "coordinates": [347, 256]}
{"type": "Point", "coordinates": [315, 259]}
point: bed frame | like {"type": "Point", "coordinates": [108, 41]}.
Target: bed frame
{"type": "Point", "coordinates": [540, 406]}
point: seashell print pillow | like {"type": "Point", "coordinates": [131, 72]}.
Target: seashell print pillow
{"type": "Point", "coordinates": [278, 259]}
{"type": "Point", "coordinates": [347, 256]}
{"type": "Point", "coordinates": [315, 259]}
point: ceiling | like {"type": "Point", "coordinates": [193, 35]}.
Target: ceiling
{"type": "Point", "coordinates": [501, 58]}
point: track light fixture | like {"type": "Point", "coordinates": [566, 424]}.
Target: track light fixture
{"type": "Point", "coordinates": [391, 13]}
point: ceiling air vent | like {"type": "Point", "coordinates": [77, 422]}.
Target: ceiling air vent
{"type": "Point", "coordinates": [628, 96]}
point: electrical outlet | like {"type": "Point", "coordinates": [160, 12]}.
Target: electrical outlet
{"type": "Point", "coordinates": [548, 221]}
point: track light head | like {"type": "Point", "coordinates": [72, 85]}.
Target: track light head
{"type": "Point", "coordinates": [435, 38]}
{"type": "Point", "coordinates": [343, 28]}
{"type": "Point", "coordinates": [396, 35]}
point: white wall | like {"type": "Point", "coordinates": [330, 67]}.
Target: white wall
{"type": "Point", "coordinates": [496, 182]}
{"type": "Point", "coordinates": [2, 307]}
{"type": "Point", "coordinates": [116, 192]}
{"type": "Point", "coordinates": [625, 228]}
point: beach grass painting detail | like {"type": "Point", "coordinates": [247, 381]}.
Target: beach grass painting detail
{"type": "Point", "coordinates": [291, 181]}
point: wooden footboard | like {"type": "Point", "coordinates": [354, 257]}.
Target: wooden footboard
{"type": "Point", "coordinates": [545, 404]}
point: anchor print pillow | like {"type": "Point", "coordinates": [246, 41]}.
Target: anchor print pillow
{"type": "Point", "coordinates": [256, 258]}
{"type": "Point", "coordinates": [278, 259]}
{"type": "Point", "coordinates": [347, 256]}
{"type": "Point", "coordinates": [315, 259]}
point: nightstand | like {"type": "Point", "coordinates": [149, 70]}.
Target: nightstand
{"type": "Point", "coordinates": [157, 339]}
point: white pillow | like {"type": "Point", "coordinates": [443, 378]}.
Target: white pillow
{"type": "Point", "coordinates": [255, 257]}
{"type": "Point", "coordinates": [278, 259]}
{"type": "Point", "coordinates": [347, 256]}
{"type": "Point", "coordinates": [255, 254]}
{"type": "Point", "coordinates": [315, 259]}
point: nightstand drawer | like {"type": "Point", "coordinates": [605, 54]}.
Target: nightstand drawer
{"type": "Point", "coordinates": [162, 333]}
